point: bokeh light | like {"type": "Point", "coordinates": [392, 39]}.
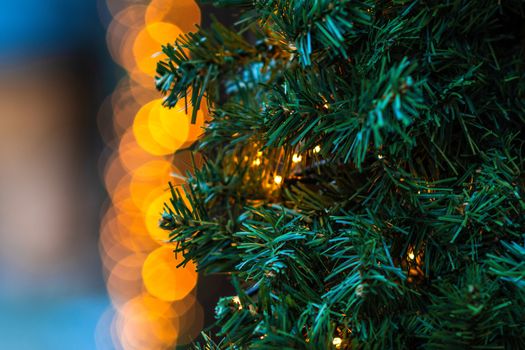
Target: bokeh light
{"type": "Point", "coordinates": [148, 42]}
{"type": "Point", "coordinates": [147, 323]}
{"type": "Point", "coordinates": [153, 213]}
{"type": "Point", "coordinates": [149, 181]}
{"type": "Point", "coordinates": [163, 279]}
{"type": "Point", "coordinates": [154, 302]}
{"type": "Point", "coordinates": [130, 153]}
{"type": "Point", "coordinates": [153, 136]}
{"type": "Point", "coordinates": [169, 127]}
{"type": "Point", "coordinates": [185, 13]}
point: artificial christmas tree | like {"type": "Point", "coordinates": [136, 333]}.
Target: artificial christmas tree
{"type": "Point", "coordinates": [363, 175]}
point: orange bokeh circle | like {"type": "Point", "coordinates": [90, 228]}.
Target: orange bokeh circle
{"type": "Point", "coordinates": [153, 215]}
{"type": "Point", "coordinates": [169, 126]}
{"type": "Point", "coordinates": [186, 14]}
{"type": "Point", "coordinates": [171, 119]}
{"type": "Point", "coordinates": [153, 136]}
{"type": "Point", "coordinates": [163, 279]}
{"type": "Point", "coordinates": [150, 180]}
{"type": "Point", "coordinates": [147, 46]}
{"type": "Point", "coordinates": [131, 154]}
{"type": "Point", "coordinates": [145, 322]}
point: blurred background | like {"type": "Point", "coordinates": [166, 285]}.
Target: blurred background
{"type": "Point", "coordinates": [86, 152]}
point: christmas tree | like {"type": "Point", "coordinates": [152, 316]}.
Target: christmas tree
{"type": "Point", "coordinates": [362, 180]}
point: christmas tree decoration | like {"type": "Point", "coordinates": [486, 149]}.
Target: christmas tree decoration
{"type": "Point", "coordinates": [363, 176]}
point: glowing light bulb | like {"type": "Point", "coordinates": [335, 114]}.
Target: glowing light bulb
{"type": "Point", "coordinates": [411, 256]}
{"type": "Point", "coordinates": [380, 156]}
{"type": "Point", "coordinates": [296, 158]}
{"type": "Point", "coordinates": [237, 301]}
{"type": "Point", "coordinates": [337, 342]}
{"type": "Point", "coordinates": [259, 154]}
{"type": "Point", "coordinates": [257, 162]}
{"type": "Point", "coordinates": [278, 179]}
{"type": "Point", "coordinates": [317, 149]}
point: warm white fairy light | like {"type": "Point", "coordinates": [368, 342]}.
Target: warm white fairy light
{"type": "Point", "coordinates": [237, 301]}
{"type": "Point", "coordinates": [337, 342]}
{"type": "Point", "coordinates": [380, 156]}
{"type": "Point", "coordinates": [411, 256]}
{"type": "Point", "coordinates": [296, 158]}
{"type": "Point", "coordinates": [278, 179]}
{"type": "Point", "coordinates": [317, 149]}
{"type": "Point", "coordinates": [257, 162]}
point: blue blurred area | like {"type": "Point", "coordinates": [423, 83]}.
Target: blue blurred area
{"type": "Point", "coordinates": [38, 27]}
{"type": "Point", "coordinates": [54, 324]}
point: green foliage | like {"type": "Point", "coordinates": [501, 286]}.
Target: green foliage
{"type": "Point", "coordinates": [402, 223]}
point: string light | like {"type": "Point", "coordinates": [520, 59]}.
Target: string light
{"type": "Point", "coordinates": [278, 179]}
{"type": "Point", "coordinates": [411, 255]}
{"type": "Point", "coordinates": [380, 156]}
{"type": "Point", "coordinates": [257, 162]}
{"type": "Point", "coordinates": [317, 149]}
{"type": "Point", "coordinates": [237, 301]}
{"type": "Point", "coordinates": [337, 342]}
{"type": "Point", "coordinates": [296, 158]}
